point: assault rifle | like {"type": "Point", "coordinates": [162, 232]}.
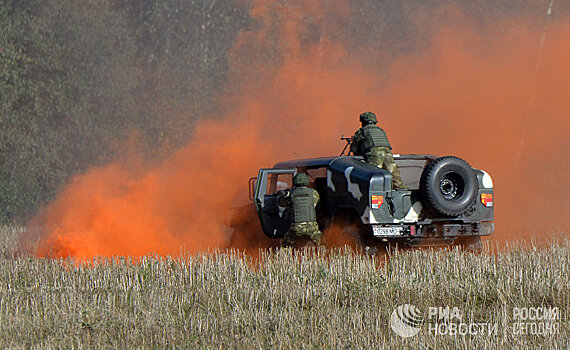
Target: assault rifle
{"type": "Point", "coordinates": [348, 142]}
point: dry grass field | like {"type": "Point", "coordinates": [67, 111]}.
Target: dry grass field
{"type": "Point", "coordinates": [281, 300]}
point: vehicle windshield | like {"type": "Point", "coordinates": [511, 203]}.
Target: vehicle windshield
{"type": "Point", "coordinates": [278, 182]}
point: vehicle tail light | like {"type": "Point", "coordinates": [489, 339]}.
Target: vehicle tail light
{"type": "Point", "coordinates": [377, 202]}
{"type": "Point", "coordinates": [487, 199]}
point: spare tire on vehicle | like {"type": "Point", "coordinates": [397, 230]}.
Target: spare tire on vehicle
{"type": "Point", "coordinates": [449, 186]}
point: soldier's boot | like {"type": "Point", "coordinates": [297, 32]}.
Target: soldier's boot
{"type": "Point", "coordinates": [289, 240]}
{"type": "Point", "coordinates": [311, 232]}
{"type": "Point", "coordinates": [397, 182]}
{"type": "Point", "coordinates": [317, 238]}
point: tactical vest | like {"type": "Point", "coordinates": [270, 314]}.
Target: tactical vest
{"type": "Point", "coordinates": [374, 136]}
{"type": "Point", "coordinates": [303, 204]}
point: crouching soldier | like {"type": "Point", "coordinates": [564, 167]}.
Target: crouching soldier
{"type": "Point", "coordinates": [302, 201]}
{"type": "Point", "coordinates": [371, 142]}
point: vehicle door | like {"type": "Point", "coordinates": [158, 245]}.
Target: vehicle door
{"type": "Point", "coordinates": [275, 220]}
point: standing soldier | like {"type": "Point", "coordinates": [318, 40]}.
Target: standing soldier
{"type": "Point", "coordinates": [371, 142]}
{"type": "Point", "coordinates": [302, 201]}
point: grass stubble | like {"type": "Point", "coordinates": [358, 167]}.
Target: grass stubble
{"type": "Point", "coordinates": [304, 299]}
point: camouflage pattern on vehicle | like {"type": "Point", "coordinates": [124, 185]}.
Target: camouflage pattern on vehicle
{"type": "Point", "coordinates": [446, 201]}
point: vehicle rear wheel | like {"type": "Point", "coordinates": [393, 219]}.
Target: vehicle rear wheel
{"type": "Point", "coordinates": [449, 186]}
{"type": "Point", "coordinates": [343, 231]}
{"type": "Point", "coordinates": [347, 230]}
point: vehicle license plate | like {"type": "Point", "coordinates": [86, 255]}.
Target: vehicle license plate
{"type": "Point", "coordinates": [387, 231]}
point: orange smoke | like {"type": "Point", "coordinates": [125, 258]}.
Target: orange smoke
{"type": "Point", "coordinates": [502, 102]}
{"type": "Point", "coordinates": [491, 97]}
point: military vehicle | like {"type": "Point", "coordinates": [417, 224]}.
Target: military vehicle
{"type": "Point", "coordinates": [447, 201]}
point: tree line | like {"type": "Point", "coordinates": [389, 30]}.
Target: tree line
{"type": "Point", "coordinates": [78, 77]}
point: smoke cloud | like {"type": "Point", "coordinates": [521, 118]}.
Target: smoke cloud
{"type": "Point", "coordinates": [495, 96]}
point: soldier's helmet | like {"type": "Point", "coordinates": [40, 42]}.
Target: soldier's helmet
{"type": "Point", "coordinates": [368, 118]}
{"type": "Point", "coordinates": [300, 180]}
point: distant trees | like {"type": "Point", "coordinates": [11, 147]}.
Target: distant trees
{"type": "Point", "coordinates": [76, 77]}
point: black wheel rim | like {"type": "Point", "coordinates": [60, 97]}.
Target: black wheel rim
{"type": "Point", "coordinates": [449, 187]}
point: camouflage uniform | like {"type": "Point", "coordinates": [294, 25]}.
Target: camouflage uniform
{"type": "Point", "coordinates": [302, 201]}
{"type": "Point", "coordinates": [371, 142]}
{"type": "Point", "coordinates": [309, 230]}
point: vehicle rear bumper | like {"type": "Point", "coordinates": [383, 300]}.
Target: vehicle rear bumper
{"type": "Point", "coordinates": [457, 230]}
{"type": "Point", "coordinates": [443, 230]}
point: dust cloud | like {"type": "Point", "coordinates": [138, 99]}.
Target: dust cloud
{"type": "Point", "coordinates": [496, 96]}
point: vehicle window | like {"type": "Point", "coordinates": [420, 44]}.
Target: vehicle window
{"type": "Point", "coordinates": [278, 182]}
